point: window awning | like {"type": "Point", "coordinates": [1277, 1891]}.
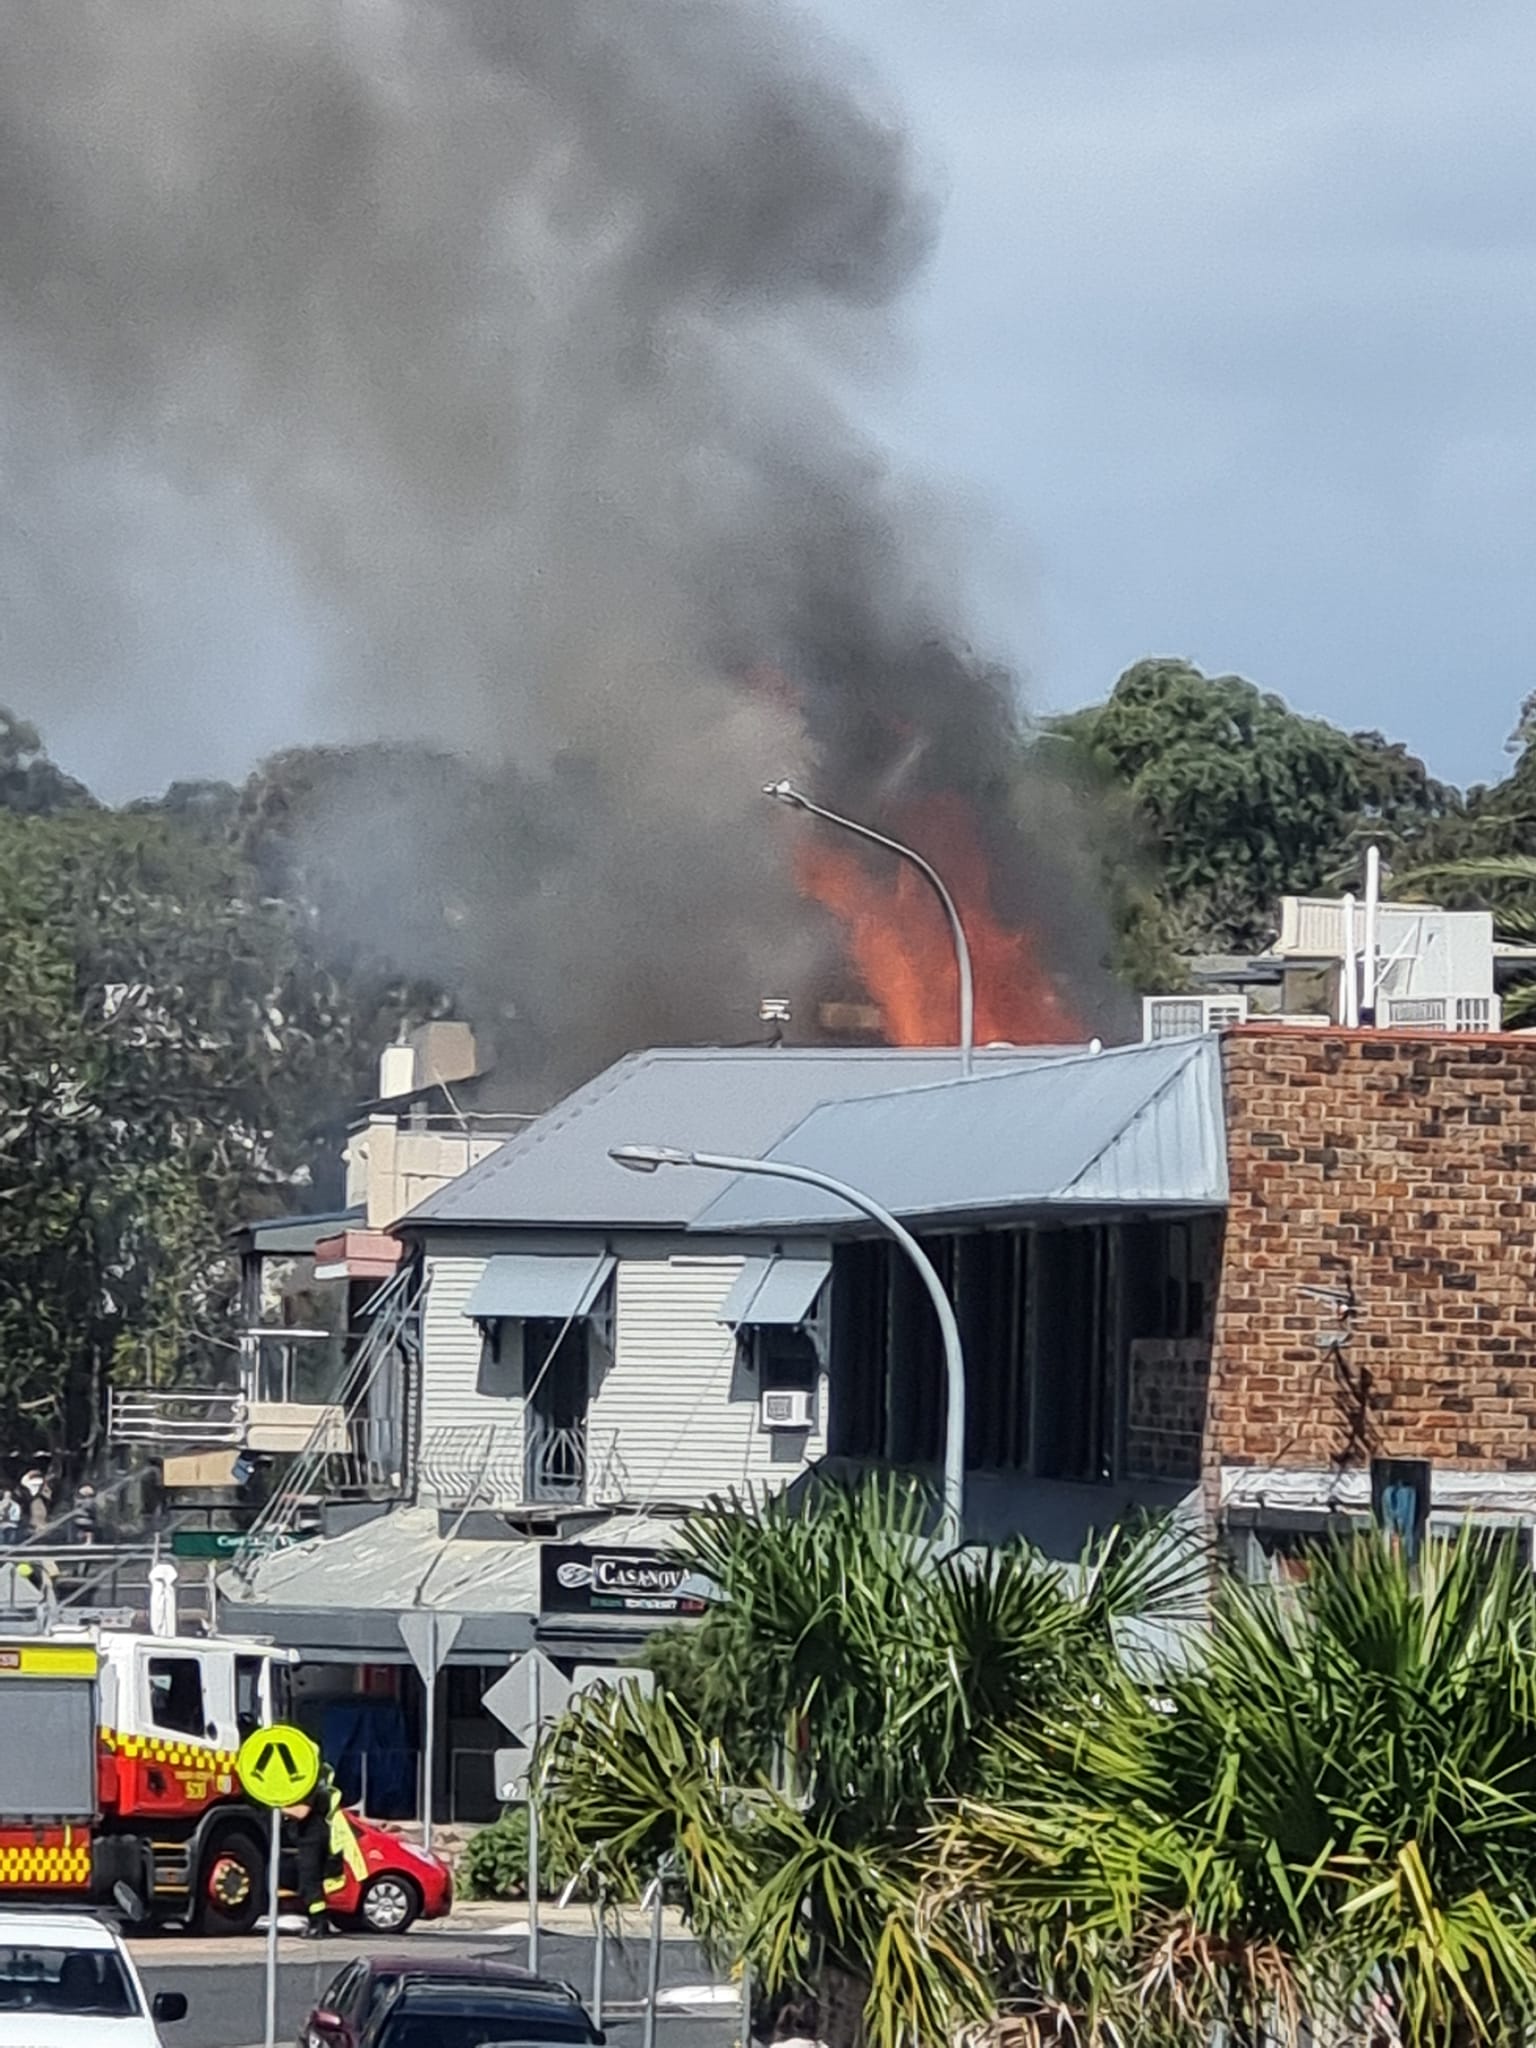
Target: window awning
{"type": "Point", "coordinates": [775, 1290]}
{"type": "Point", "coordinates": [551, 1289]}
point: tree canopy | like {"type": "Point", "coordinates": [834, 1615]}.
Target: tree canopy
{"type": "Point", "coordinates": [168, 1044]}
{"type": "Point", "coordinates": [1241, 800]}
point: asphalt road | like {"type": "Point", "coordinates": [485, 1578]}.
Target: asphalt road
{"type": "Point", "coordinates": [225, 1983]}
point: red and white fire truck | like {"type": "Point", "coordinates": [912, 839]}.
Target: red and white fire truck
{"type": "Point", "coordinates": [117, 1775]}
{"type": "Point", "coordinates": [117, 1768]}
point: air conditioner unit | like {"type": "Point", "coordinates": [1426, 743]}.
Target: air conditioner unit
{"type": "Point", "coordinates": [787, 1408]}
{"type": "Point", "coordinates": [1189, 1016]}
{"type": "Point", "coordinates": [1441, 1013]}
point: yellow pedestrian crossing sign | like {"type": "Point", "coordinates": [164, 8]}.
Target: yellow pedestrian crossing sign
{"type": "Point", "coordinates": [278, 1766]}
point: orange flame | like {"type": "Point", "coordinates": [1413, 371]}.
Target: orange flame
{"type": "Point", "coordinates": [900, 942]}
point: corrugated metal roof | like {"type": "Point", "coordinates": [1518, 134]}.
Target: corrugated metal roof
{"type": "Point", "coordinates": [384, 1562]}
{"type": "Point", "coordinates": [775, 1290]}
{"type": "Point", "coordinates": [1140, 1127]}
{"type": "Point", "coordinates": [700, 1098]}
{"type": "Point", "coordinates": [298, 1235]}
{"type": "Point", "coordinates": [533, 1288]}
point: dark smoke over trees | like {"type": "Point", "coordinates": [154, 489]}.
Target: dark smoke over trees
{"type": "Point", "coordinates": [488, 359]}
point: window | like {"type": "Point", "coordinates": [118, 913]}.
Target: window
{"type": "Point", "coordinates": [60, 1980]}
{"type": "Point", "coordinates": [785, 1357]}
{"type": "Point", "coordinates": [176, 1696]}
{"type": "Point", "coordinates": [248, 1714]}
{"type": "Point", "coordinates": [859, 1314]}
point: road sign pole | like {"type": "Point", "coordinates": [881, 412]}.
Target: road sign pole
{"type": "Point", "coordinates": [429, 1636]}
{"type": "Point", "coordinates": [274, 1853]}
{"type": "Point", "coordinates": [429, 1737]}
{"type": "Point", "coordinates": [653, 1959]}
{"type": "Point", "coordinates": [600, 1959]}
{"type": "Point", "coordinates": [533, 1821]}
{"type": "Point", "coordinates": [278, 1767]}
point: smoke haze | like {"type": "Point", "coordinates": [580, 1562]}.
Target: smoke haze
{"type": "Point", "coordinates": [485, 352]}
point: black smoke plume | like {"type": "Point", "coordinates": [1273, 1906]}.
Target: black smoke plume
{"type": "Point", "coordinates": [480, 360]}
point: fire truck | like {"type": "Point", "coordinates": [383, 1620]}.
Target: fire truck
{"type": "Point", "coordinates": [117, 1773]}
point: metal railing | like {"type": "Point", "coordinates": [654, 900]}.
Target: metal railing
{"type": "Point", "coordinates": [505, 1465]}
{"type": "Point", "coordinates": [184, 1419]}
{"type": "Point", "coordinates": [372, 1461]}
{"type": "Point", "coordinates": [554, 1461]}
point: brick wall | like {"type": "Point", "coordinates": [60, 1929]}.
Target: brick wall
{"type": "Point", "coordinates": [1401, 1172]}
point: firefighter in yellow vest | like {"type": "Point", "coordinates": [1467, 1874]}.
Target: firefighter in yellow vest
{"type": "Point", "coordinates": [345, 1856]}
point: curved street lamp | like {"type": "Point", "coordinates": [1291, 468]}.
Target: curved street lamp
{"type": "Point", "coordinates": [784, 792]}
{"type": "Point", "coordinates": [647, 1158]}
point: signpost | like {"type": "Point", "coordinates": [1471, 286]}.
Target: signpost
{"type": "Point", "coordinates": [278, 1767]}
{"type": "Point", "coordinates": [530, 1694]}
{"type": "Point", "coordinates": [429, 1636]}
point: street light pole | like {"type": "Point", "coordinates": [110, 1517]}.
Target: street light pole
{"type": "Point", "coordinates": [784, 792]}
{"type": "Point", "coordinates": [647, 1158]}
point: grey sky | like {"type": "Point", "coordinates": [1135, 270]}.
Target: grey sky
{"type": "Point", "coordinates": [1232, 326]}
{"type": "Point", "coordinates": [1226, 342]}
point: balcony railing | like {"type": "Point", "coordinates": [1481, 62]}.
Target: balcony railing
{"type": "Point", "coordinates": [206, 1419]}
{"type": "Point", "coordinates": [502, 1465]}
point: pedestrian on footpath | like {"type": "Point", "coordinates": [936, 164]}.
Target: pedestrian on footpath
{"type": "Point", "coordinates": [10, 1519]}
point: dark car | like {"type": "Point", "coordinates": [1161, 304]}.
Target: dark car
{"type": "Point", "coordinates": [433, 2013]}
{"type": "Point", "coordinates": [358, 2001]}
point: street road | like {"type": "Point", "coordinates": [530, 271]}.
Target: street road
{"type": "Point", "coordinates": [225, 1981]}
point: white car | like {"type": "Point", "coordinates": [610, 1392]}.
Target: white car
{"type": "Point", "coordinates": [66, 1981]}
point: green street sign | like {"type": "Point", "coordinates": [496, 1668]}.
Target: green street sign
{"type": "Point", "coordinates": [206, 1542]}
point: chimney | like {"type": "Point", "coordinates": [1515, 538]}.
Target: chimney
{"type": "Point", "coordinates": [397, 1071]}
{"type": "Point", "coordinates": [444, 1051]}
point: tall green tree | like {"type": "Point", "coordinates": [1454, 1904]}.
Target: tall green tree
{"type": "Point", "coordinates": [166, 1045]}
{"type": "Point", "coordinates": [1244, 800]}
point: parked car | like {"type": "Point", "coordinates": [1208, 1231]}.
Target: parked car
{"type": "Point", "coordinates": [508, 2004]}
{"type": "Point", "coordinates": [403, 1884]}
{"type": "Point", "coordinates": [67, 1981]}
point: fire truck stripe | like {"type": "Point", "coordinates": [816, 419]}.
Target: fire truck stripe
{"type": "Point", "coordinates": [46, 1863]}
{"type": "Point", "coordinates": [156, 1749]}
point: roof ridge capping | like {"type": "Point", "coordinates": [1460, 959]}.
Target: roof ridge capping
{"type": "Point", "coordinates": [1203, 1049]}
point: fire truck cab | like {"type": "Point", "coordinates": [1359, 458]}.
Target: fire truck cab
{"type": "Point", "coordinates": [117, 1772]}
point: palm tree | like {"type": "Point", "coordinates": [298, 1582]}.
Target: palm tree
{"type": "Point", "coordinates": [850, 1681]}
{"type": "Point", "coordinates": [1327, 1824]}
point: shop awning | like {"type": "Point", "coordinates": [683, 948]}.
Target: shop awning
{"type": "Point", "coordinates": [775, 1290]}
{"type": "Point", "coordinates": [552, 1289]}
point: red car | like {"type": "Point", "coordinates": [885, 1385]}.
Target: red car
{"type": "Point", "coordinates": [442, 1998]}
{"type": "Point", "coordinates": [403, 1884]}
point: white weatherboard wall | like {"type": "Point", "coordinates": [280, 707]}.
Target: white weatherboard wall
{"type": "Point", "coordinates": [683, 1413]}
{"type": "Point", "coordinates": [673, 1416]}
{"type": "Point", "coordinates": [463, 1395]}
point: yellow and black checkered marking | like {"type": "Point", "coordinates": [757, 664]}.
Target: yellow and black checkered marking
{"type": "Point", "coordinates": [45, 1863]}
{"type": "Point", "coordinates": [161, 1749]}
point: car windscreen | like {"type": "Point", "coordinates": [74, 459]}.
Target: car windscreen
{"type": "Point", "coordinates": [473, 2020]}
{"type": "Point", "coordinates": [456, 2030]}
{"type": "Point", "coordinates": [37, 1978]}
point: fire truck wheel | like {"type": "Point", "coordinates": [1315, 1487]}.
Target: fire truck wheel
{"type": "Point", "coordinates": [388, 1905]}
{"type": "Point", "coordinates": [231, 1885]}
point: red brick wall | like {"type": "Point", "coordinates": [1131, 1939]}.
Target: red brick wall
{"type": "Point", "coordinates": [1403, 1169]}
